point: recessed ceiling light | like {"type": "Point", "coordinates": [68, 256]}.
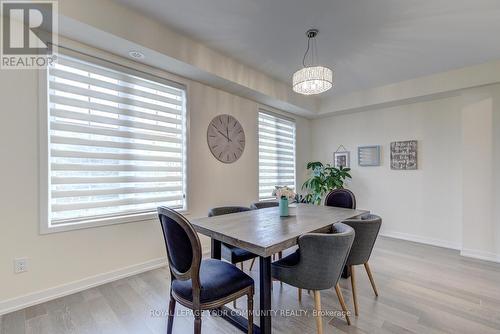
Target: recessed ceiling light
{"type": "Point", "coordinates": [136, 54]}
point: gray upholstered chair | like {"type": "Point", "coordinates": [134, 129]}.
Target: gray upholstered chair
{"type": "Point", "coordinates": [341, 198]}
{"type": "Point", "coordinates": [195, 283]}
{"type": "Point", "coordinates": [366, 228]}
{"type": "Point", "coordinates": [317, 265]}
{"type": "Point", "coordinates": [230, 253]}
{"type": "Point", "coordinates": [264, 205]}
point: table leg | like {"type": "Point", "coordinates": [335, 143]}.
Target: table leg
{"type": "Point", "coordinates": [216, 249]}
{"type": "Point", "coordinates": [265, 294]}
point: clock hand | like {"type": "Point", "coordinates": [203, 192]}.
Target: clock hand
{"type": "Point", "coordinates": [224, 135]}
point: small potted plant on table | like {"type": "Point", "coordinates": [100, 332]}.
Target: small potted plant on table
{"type": "Point", "coordinates": [283, 195]}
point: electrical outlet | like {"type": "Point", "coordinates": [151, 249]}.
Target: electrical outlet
{"type": "Point", "coordinates": [20, 265]}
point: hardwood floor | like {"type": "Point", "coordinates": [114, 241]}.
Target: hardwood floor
{"type": "Point", "coordinates": [422, 289]}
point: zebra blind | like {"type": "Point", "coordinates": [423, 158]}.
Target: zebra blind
{"type": "Point", "coordinates": [116, 143]}
{"type": "Point", "coordinates": [276, 154]}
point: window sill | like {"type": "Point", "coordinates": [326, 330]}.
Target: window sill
{"type": "Point", "coordinates": [71, 226]}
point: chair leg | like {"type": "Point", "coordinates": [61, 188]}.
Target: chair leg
{"type": "Point", "coordinates": [353, 285]}
{"type": "Point", "coordinates": [250, 312]}
{"type": "Point", "coordinates": [317, 307]}
{"type": "Point", "coordinates": [342, 303]}
{"type": "Point", "coordinates": [251, 264]}
{"type": "Point", "coordinates": [171, 313]}
{"type": "Point", "coordinates": [234, 303]}
{"type": "Point", "coordinates": [370, 276]}
{"type": "Point", "coordinates": [300, 295]}
{"type": "Point", "coordinates": [241, 265]}
{"type": "Point", "coordinates": [197, 323]}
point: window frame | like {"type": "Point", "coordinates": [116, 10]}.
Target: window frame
{"type": "Point", "coordinates": [119, 64]}
{"type": "Point", "coordinates": [283, 117]}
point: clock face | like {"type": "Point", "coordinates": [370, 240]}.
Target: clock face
{"type": "Point", "coordinates": [226, 138]}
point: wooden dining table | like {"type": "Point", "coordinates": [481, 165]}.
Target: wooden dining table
{"type": "Point", "coordinates": [264, 233]}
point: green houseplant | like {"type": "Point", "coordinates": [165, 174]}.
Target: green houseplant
{"type": "Point", "coordinates": [323, 179]}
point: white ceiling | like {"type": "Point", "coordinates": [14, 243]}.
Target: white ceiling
{"type": "Point", "coordinates": [369, 42]}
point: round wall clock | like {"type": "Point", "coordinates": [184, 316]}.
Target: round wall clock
{"type": "Point", "coordinates": [226, 138]}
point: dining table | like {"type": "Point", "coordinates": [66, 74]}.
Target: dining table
{"type": "Point", "coordinates": [264, 232]}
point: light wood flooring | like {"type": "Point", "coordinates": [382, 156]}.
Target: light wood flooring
{"type": "Point", "coordinates": [423, 289]}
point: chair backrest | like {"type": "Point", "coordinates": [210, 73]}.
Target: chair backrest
{"type": "Point", "coordinates": [341, 198]}
{"type": "Point", "coordinates": [183, 245]}
{"type": "Point", "coordinates": [225, 210]}
{"type": "Point", "coordinates": [323, 256]}
{"type": "Point", "coordinates": [366, 228]}
{"type": "Point", "coordinates": [263, 205]}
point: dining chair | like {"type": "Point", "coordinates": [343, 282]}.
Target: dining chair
{"type": "Point", "coordinates": [366, 229]}
{"type": "Point", "coordinates": [317, 265]}
{"type": "Point", "coordinates": [195, 283]}
{"type": "Point", "coordinates": [231, 253]}
{"type": "Point", "coordinates": [264, 205]}
{"type": "Point", "coordinates": [341, 198]}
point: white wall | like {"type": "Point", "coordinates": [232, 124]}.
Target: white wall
{"type": "Point", "coordinates": [452, 199]}
{"type": "Point", "coordinates": [425, 203]}
{"type": "Point", "coordinates": [56, 260]}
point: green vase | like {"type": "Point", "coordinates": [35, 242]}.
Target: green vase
{"type": "Point", "coordinates": [283, 207]}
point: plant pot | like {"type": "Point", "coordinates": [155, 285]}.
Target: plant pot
{"type": "Point", "coordinates": [283, 206]}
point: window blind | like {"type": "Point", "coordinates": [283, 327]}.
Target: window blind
{"type": "Point", "coordinates": [276, 154]}
{"type": "Point", "coordinates": [116, 143]}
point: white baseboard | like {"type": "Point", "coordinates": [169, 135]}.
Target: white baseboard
{"type": "Point", "coordinates": [481, 255]}
{"type": "Point", "coordinates": [14, 304]}
{"type": "Point", "coordinates": [422, 240]}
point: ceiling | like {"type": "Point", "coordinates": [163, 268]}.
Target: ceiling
{"type": "Point", "coordinates": [369, 43]}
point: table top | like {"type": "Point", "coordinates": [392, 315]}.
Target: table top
{"type": "Point", "coordinates": [264, 232]}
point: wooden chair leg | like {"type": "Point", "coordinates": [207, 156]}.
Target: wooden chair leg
{"type": "Point", "coordinates": [342, 303]}
{"type": "Point", "coordinates": [300, 295]}
{"type": "Point", "coordinates": [251, 264]}
{"type": "Point", "coordinates": [317, 307]}
{"type": "Point", "coordinates": [171, 313]}
{"type": "Point", "coordinates": [353, 285]}
{"type": "Point", "coordinates": [197, 323]}
{"type": "Point", "coordinates": [370, 276]}
{"type": "Point", "coordinates": [250, 312]}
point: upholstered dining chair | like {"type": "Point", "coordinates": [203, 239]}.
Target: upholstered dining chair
{"type": "Point", "coordinates": [195, 283]}
{"type": "Point", "coordinates": [317, 265]}
{"type": "Point", "coordinates": [366, 228]}
{"type": "Point", "coordinates": [263, 205]}
{"type": "Point", "coordinates": [341, 198]}
{"type": "Point", "coordinates": [230, 253]}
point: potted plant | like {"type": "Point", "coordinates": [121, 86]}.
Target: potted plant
{"type": "Point", "coordinates": [283, 195]}
{"type": "Point", "coordinates": [323, 179]}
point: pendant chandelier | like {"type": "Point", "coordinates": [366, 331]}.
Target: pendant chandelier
{"type": "Point", "coordinates": [312, 79]}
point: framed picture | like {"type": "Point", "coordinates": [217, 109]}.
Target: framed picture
{"type": "Point", "coordinates": [404, 155]}
{"type": "Point", "coordinates": [341, 159]}
{"type": "Point", "coordinates": [369, 155]}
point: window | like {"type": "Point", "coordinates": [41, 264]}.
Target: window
{"type": "Point", "coordinates": [116, 144]}
{"type": "Point", "coordinates": [276, 153]}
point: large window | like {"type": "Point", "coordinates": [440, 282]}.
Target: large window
{"type": "Point", "coordinates": [116, 144]}
{"type": "Point", "coordinates": [276, 153]}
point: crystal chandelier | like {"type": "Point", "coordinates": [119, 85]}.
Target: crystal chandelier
{"type": "Point", "coordinates": [313, 79]}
